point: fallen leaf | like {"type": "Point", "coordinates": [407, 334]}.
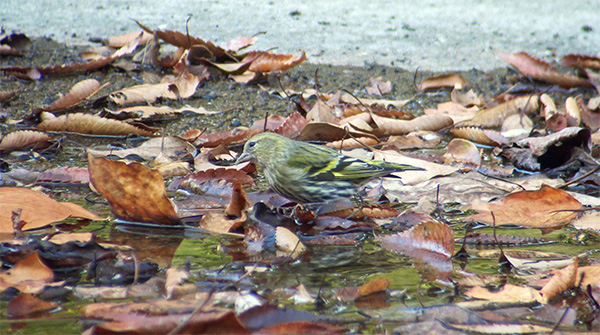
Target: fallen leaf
{"type": "Point", "coordinates": [79, 92]}
{"type": "Point", "coordinates": [441, 81]}
{"type": "Point", "coordinates": [38, 209]}
{"type": "Point", "coordinates": [26, 305]}
{"type": "Point", "coordinates": [289, 242]}
{"type": "Point", "coordinates": [24, 138]}
{"type": "Point", "coordinates": [134, 192]}
{"type": "Point", "coordinates": [509, 293]}
{"type": "Point", "coordinates": [462, 151]}
{"type": "Point", "coordinates": [560, 282]}
{"type": "Point", "coordinates": [29, 275]}
{"type": "Point", "coordinates": [90, 125]}
{"type": "Point", "coordinates": [546, 208]}
{"type": "Point", "coordinates": [379, 87]}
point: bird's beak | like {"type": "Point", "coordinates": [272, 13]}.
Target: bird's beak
{"type": "Point", "coordinates": [244, 157]}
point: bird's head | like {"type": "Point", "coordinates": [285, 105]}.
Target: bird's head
{"type": "Point", "coordinates": [259, 148]}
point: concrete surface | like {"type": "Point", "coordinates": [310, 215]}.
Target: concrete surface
{"type": "Point", "coordinates": [436, 35]}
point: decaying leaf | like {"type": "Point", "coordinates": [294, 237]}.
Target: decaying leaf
{"type": "Point", "coordinates": [29, 275]}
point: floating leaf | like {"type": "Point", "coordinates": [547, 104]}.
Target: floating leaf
{"type": "Point", "coordinates": [38, 210]}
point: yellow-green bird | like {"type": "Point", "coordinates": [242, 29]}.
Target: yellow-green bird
{"type": "Point", "coordinates": [307, 173]}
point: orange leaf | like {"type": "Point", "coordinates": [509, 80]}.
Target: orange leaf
{"type": "Point", "coordinates": [38, 210]}
{"type": "Point", "coordinates": [268, 62]}
{"type": "Point", "coordinates": [134, 192]}
{"type": "Point", "coordinates": [545, 208]}
{"type": "Point", "coordinates": [562, 280]}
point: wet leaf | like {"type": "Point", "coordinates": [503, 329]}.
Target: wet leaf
{"type": "Point", "coordinates": [38, 210]}
{"type": "Point", "coordinates": [239, 201]}
{"type": "Point", "coordinates": [289, 242]}
{"type": "Point", "coordinates": [379, 87]}
{"type": "Point", "coordinates": [509, 293]}
{"type": "Point", "coordinates": [561, 281]}
{"type": "Point", "coordinates": [27, 305]}
{"type": "Point", "coordinates": [545, 208]}
{"type": "Point", "coordinates": [29, 275]}
{"type": "Point", "coordinates": [134, 192]}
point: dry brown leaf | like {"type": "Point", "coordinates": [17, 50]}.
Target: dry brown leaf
{"type": "Point", "coordinates": [171, 146]}
{"type": "Point", "coordinates": [269, 62]}
{"type": "Point", "coordinates": [546, 208]}
{"type": "Point", "coordinates": [481, 136]}
{"type": "Point", "coordinates": [555, 120]}
{"type": "Point", "coordinates": [144, 93]}
{"type": "Point", "coordinates": [467, 99]}
{"type": "Point", "coordinates": [538, 69]}
{"type": "Point", "coordinates": [591, 275]}
{"type": "Point", "coordinates": [493, 117]}
{"type": "Point", "coordinates": [134, 192]}
{"type": "Point", "coordinates": [374, 285]}
{"type": "Point", "coordinates": [328, 132]}
{"type": "Point", "coordinates": [573, 112]}
{"type": "Point", "coordinates": [221, 223]}
{"type": "Point", "coordinates": [388, 127]}
{"type": "Point", "coordinates": [122, 40]}
{"type": "Point", "coordinates": [590, 113]}
{"type": "Point", "coordinates": [379, 87]}
{"type": "Point", "coordinates": [516, 125]}
{"type": "Point", "coordinates": [353, 143]}
{"type": "Point", "coordinates": [24, 138]}
{"type": "Point", "coordinates": [5, 95]}
{"type": "Point", "coordinates": [38, 210]}
{"type": "Point", "coordinates": [79, 92]}
{"type": "Point", "coordinates": [441, 81]}
{"type": "Point", "coordinates": [90, 125]}
{"type": "Point", "coordinates": [562, 280]}
{"type": "Point", "coordinates": [581, 61]}
{"type": "Point", "coordinates": [320, 113]}
{"type": "Point", "coordinates": [462, 151]}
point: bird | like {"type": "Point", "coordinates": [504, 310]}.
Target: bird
{"type": "Point", "coordinates": [307, 173]}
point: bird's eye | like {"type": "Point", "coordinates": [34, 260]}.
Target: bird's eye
{"type": "Point", "coordinates": [251, 144]}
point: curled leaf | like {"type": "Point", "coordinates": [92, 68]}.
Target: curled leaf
{"type": "Point", "coordinates": [24, 138]}
{"type": "Point", "coordinates": [90, 125]}
{"type": "Point", "coordinates": [481, 136]}
{"type": "Point", "coordinates": [79, 92]}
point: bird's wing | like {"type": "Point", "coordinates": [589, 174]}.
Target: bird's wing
{"type": "Point", "coordinates": [324, 164]}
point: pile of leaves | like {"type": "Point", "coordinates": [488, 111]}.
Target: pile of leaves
{"type": "Point", "coordinates": [527, 157]}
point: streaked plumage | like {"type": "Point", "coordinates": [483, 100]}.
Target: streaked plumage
{"type": "Point", "coordinates": [309, 173]}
